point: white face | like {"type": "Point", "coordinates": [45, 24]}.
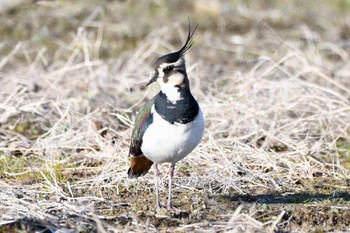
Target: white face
{"type": "Point", "coordinates": [169, 73]}
{"type": "Point", "coordinates": [170, 79]}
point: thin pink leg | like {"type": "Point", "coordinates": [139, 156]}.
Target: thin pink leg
{"type": "Point", "coordinates": [171, 174]}
{"type": "Point", "coordinates": [158, 205]}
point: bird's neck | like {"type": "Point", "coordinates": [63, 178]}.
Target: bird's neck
{"type": "Point", "coordinates": [172, 93]}
{"type": "Point", "coordinates": [179, 106]}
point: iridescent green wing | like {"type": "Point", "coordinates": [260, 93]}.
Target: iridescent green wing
{"type": "Point", "coordinates": [143, 120]}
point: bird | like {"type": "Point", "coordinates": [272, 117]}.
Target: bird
{"type": "Point", "coordinates": [170, 125]}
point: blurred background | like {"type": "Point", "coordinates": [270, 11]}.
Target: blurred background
{"type": "Point", "coordinates": [272, 78]}
{"type": "Point", "coordinates": [123, 24]}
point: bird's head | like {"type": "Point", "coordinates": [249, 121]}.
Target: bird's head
{"type": "Point", "coordinates": [170, 69]}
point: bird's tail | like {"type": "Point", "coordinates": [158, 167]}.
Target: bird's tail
{"type": "Point", "coordinates": [139, 166]}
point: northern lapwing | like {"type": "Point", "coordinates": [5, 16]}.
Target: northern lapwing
{"type": "Point", "coordinates": [169, 126]}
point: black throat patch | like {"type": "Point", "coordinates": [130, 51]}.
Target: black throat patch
{"type": "Point", "coordinates": [182, 111]}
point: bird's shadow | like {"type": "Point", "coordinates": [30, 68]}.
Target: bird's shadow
{"type": "Point", "coordinates": [299, 198]}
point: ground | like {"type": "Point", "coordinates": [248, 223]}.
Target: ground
{"type": "Point", "coordinates": [272, 78]}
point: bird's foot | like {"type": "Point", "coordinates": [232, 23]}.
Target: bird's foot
{"type": "Point", "coordinates": [163, 210]}
{"type": "Point", "coordinates": [158, 206]}
{"type": "Point", "coordinates": [170, 207]}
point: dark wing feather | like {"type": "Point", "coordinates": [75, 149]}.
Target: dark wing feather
{"type": "Point", "coordinates": [139, 164]}
{"type": "Point", "coordinates": [143, 120]}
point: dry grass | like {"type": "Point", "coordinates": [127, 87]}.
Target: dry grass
{"type": "Point", "coordinates": [276, 98]}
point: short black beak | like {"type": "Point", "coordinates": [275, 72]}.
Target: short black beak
{"type": "Point", "coordinates": [153, 79]}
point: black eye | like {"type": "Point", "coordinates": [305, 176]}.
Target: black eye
{"type": "Point", "coordinates": [168, 69]}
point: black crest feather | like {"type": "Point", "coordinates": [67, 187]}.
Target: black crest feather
{"type": "Point", "coordinates": [189, 42]}
{"type": "Point", "coordinates": [173, 57]}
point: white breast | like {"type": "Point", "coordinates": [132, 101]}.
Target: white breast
{"type": "Point", "coordinates": [164, 142]}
